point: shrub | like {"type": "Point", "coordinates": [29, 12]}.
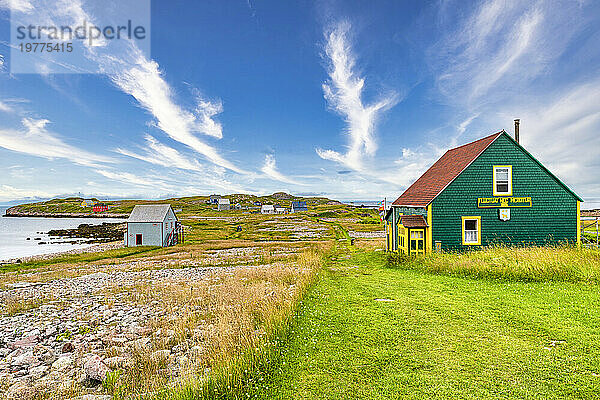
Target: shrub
{"type": "Point", "coordinates": [327, 214]}
{"type": "Point", "coordinates": [370, 220]}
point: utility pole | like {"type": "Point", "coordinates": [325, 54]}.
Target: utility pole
{"type": "Point", "coordinates": [385, 225]}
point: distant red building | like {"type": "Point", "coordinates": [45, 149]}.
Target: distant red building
{"type": "Point", "coordinates": [99, 207]}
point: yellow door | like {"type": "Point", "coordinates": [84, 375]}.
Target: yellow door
{"type": "Point", "coordinates": [417, 241]}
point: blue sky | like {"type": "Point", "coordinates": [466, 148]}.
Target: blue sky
{"type": "Point", "coordinates": [351, 100]}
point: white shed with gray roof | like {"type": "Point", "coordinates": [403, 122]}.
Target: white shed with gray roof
{"type": "Point", "coordinates": [224, 204]}
{"type": "Point", "coordinates": [152, 225]}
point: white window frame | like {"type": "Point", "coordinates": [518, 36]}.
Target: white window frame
{"type": "Point", "coordinates": [495, 188]}
{"type": "Point", "coordinates": [477, 220]}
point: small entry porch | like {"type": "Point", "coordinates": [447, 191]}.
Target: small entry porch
{"type": "Point", "coordinates": [412, 231]}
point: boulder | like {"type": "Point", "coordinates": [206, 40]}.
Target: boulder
{"type": "Point", "coordinates": [25, 343]}
{"type": "Point", "coordinates": [24, 359]}
{"type": "Point", "coordinates": [62, 363]}
{"type": "Point", "coordinates": [38, 372]}
{"type": "Point", "coordinates": [95, 369]}
{"type": "Point", "coordinates": [67, 347]}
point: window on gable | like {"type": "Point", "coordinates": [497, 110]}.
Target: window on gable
{"type": "Point", "coordinates": [502, 180]}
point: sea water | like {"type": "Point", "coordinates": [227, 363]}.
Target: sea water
{"type": "Point", "coordinates": [14, 232]}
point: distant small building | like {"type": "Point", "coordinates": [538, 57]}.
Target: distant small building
{"type": "Point", "coordinates": [223, 205]}
{"type": "Point", "coordinates": [267, 209]}
{"type": "Point", "coordinates": [298, 206]}
{"type": "Point", "coordinates": [99, 207]}
{"type": "Point", "coordinates": [87, 203]}
{"type": "Point", "coordinates": [280, 210]}
{"type": "Point", "coordinates": [153, 225]}
{"type": "Point", "coordinates": [214, 199]}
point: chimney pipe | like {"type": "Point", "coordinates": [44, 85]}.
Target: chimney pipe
{"type": "Point", "coordinates": [517, 121]}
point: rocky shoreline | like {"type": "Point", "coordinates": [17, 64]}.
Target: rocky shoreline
{"type": "Point", "coordinates": [106, 232]}
{"type": "Point", "coordinates": [91, 249]}
{"type": "Point", "coordinates": [15, 212]}
{"type": "Point", "coordinates": [82, 329]}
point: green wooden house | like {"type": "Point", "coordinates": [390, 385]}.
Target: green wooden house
{"type": "Point", "coordinates": [490, 191]}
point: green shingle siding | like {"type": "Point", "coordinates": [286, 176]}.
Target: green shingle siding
{"type": "Point", "coordinates": [551, 219]}
{"type": "Point", "coordinates": [410, 211]}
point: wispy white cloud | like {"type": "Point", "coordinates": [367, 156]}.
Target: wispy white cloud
{"type": "Point", "coordinates": [462, 127]}
{"type": "Point", "coordinates": [205, 123]}
{"type": "Point", "coordinates": [23, 6]}
{"type": "Point", "coordinates": [343, 93]}
{"type": "Point", "coordinates": [12, 105]}
{"type": "Point", "coordinates": [161, 154]}
{"type": "Point", "coordinates": [499, 48]}
{"type": "Point", "coordinates": [129, 178]}
{"type": "Point", "coordinates": [5, 107]}
{"type": "Point", "coordinates": [34, 139]}
{"type": "Point", "coordinates": [410, 165]}
{"type": "Point", "coordinates": [142, 79]}
{"type": "Point", "coordinates": [179, 183]}
{"type": "Point", "coordinates": [270, 170]}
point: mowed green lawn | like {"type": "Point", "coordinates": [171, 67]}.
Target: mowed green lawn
{"type": "Point", "coordinates": [440, 337]}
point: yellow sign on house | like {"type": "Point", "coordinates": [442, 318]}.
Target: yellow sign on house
{"type": "Point", "coordinates": [503, 202]}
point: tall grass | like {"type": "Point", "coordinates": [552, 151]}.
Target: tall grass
{"type": "Point", "coordinates": [248, 335]}
{"type": "Point", "coordinates": [13, 305]}
{"type": "Point", "coordinates": [227, 326]}
{"type": "Point", "coordinates": [552, 263]}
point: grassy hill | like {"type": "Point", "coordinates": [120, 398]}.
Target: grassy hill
{"type": "Point", "coordinates": [187, 205]}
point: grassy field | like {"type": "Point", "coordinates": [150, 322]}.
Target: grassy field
{"type": "Point", "coordinates": [302, 314]}
{"type": "Point", "coordinates": [371, 331]}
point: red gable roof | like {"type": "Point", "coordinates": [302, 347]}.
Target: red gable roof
{"type": "Point", "coordinates": [444, 171]}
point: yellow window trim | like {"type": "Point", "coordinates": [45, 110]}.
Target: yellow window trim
{"type": "Point", "coordinates": [402, 239]}
{"type": "Point", "coordinates": [478, 243]}
{"type": "Point", "coordinates": [421, 239]}
{"type": "Point", "coordinates": [510, 189]}
{"type": "Point", "coordinates": [430, 227]}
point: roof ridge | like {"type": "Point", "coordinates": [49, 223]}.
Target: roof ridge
{"type": "Point", "coordinates": [478, 140]}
